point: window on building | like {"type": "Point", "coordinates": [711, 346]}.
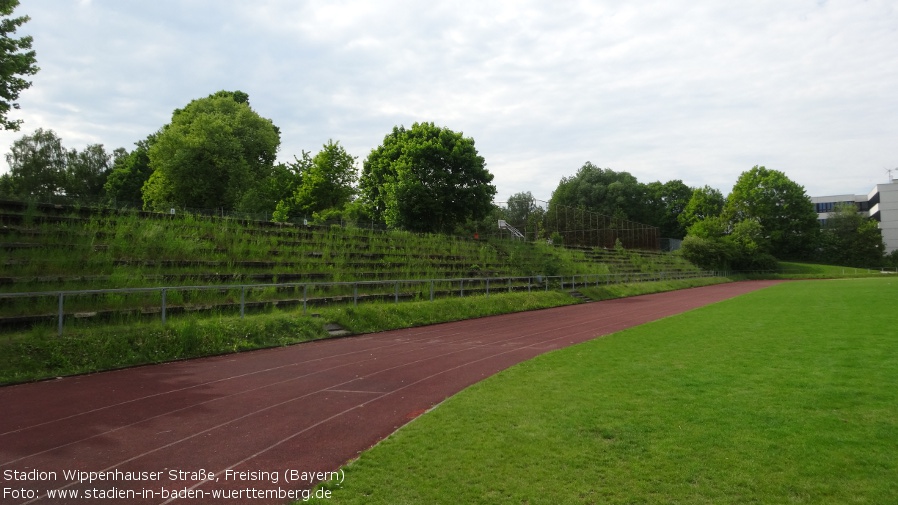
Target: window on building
{"type": "Point", "coordinates": [824, 207]}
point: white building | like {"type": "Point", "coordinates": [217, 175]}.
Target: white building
{"type": "Point", "coordinates": [881, 204]}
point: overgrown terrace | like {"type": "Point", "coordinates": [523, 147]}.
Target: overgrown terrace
{"type": "Point", "coordinates": [49, 248]}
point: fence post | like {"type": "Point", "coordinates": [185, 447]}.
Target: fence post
{"type": "Point", "coordinates": [355, 294]}
{"type": "Point", "coordinates": [305, 290]}
{"type": "Point", "coordinates": [242, 300]}
{"type": "Point", "coordinates": [487, 287]}
{"type": "Point", "coordinates": [163, 305]}
{"type": "Point", "coordinates": [431, 289]}
{"type": "Point", "coordinates": [461, 285]}
{"type": "Point", "coordinates": [509, 284]}
{"type": "Point", "coordinates": [60, 313]}
{"type": "Point", "coordinates": [396, 292]}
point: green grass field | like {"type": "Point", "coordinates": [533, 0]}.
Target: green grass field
{"type": "Point", "coordinates": [786, 395]}
{"type": "Point", "coordinates": [792, 270]}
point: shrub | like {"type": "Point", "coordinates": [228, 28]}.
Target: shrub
{"type": "Point", "coordinates": [708, 253]}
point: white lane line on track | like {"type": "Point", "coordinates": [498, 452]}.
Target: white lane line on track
{"type": "Point", "coordinates": [352, 391]}
{"type": "Point", "coordinates": [504, 343]}
{"type": "Point", "coordinates": [594, 331]}
{"type": "Point", "coordinates": [363, 404]}
{"type": "Point", "coordinates": [416, 338]}
{"type": "Point", "coordinates": [258, 411]}
{"type": "Point", "coordinates": [223, 379]}
{"type": "Point", "coordinates": [220, 398]}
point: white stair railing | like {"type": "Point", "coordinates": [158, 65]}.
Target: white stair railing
{"type": "Point", "coordinates": [514, 231]}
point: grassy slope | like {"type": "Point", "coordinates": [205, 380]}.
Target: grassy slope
{"type": "Point", "coordinates": [39, 353]}
{"type": "Point", "coordinates": [789, 395]}
{"type": "Point", "coordinates": [794, 270]}
{"type": "Point", "coordinates": [52, 253]}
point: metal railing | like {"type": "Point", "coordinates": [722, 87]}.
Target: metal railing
{"type": "Point", "coordinates": [256, 296]}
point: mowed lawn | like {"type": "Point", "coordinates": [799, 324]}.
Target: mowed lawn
{"type": "Point", "coordinates": [785, 395]}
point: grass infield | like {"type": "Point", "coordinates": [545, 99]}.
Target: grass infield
{"type": "Point", "coordinates": [786, 395]}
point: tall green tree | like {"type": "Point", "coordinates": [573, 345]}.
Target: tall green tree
{"type": "Point", "coordinates": [37, 165]}
{"type": "Point", "coordinates": [274, 196]}
{"type": "Point", "coordinates": [317, 185]}
{"type": "Point", "coordinates": [601, 190]}
{"type": "Point", "coordinates": [705, 202]}
{"type": "Point", "coordinates": [426, 178]}
{"type": "Point", "coordinates": [40, 167]}
{"type": "Point", "coordinates": [17, 61]}
{"type": "Point", "coordinates": [519, 207]}
{"type": "Point", "coordinates": [130, 171]}
{"type": "Point", "coordinates": [664, 203]}
{"type": "Point", "coordinates": [522, 211]}
{"type": "Point", "coordinates": [850, 239]}
{"type": "Point", "coordinates": [328, 182]}
{"type": "Point", "coordinates": [780, 206]}
{"type": "Point", "coordinates": [285, 181]}
{"type": "Point", "coordinates": [213, 152]}
{"type": "Point", "coordinates": [86, 172]}
{"type": "Point", "coordinates": [7, 186]}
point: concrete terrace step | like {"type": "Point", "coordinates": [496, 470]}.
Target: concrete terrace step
{"type": "Point", "coordinates": [580, 296]}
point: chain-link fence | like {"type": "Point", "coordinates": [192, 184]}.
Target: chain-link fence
{"type": "Point", "coordinates": [570, 226]}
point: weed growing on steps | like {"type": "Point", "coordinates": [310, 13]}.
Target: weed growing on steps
{"type": "Point", "coordinates": [130, 250]}
{"type": "Point", "coordinates": [39, 353]}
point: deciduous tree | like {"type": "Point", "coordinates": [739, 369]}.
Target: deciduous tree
{"type": "Point", "coordinates": [40, 167]}
{"type": "Point", "coordinates": [328, 181]}
{"type": "Point", "coordinates": [86, 172]}
{"type": "Point", "coordinates": [704, 202]}
{"type": "Point", "coordinates": [17, 61]}
{"type": "Point", "coordinates": [601, 190]}
{"type": "Point", "coordinates": [522, 211]}
{"type": "Point", "coordinates": [130, 171]}
{"type": "Point", "coordinates": [519, 207]}
{"type": "Point", "coordinates": [850, 239]}
{"type": "Point", "coordinates": [664, 203]}
{"type": "Point", "coordinates": [427, 179]}
{"type": "Point", "coordinates": [214, 151]}
{"type": "Point", "coordinates": [780, 206]}
{"type": "Point", "coordinates": [37, 165]}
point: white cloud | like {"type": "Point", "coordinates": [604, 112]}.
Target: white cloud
{"type": "Point", "coordinates": [698, 91]}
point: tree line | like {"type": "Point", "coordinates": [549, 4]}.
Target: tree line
{"type": "Point", "coordinates": [765, 218]}
{"type": "Point", "coordinates": [768, 217]}
{"type": "Point", "coordinates": [218, 153]}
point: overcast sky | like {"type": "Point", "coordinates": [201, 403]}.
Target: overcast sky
{"type": "Point", "coordinates": [693, 90]}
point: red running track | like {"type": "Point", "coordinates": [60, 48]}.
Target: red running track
{"type": "Point", "coordinates": [257, 420]}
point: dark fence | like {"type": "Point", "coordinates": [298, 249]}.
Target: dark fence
{"type": "Point", "coordinates": [580, 227]}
